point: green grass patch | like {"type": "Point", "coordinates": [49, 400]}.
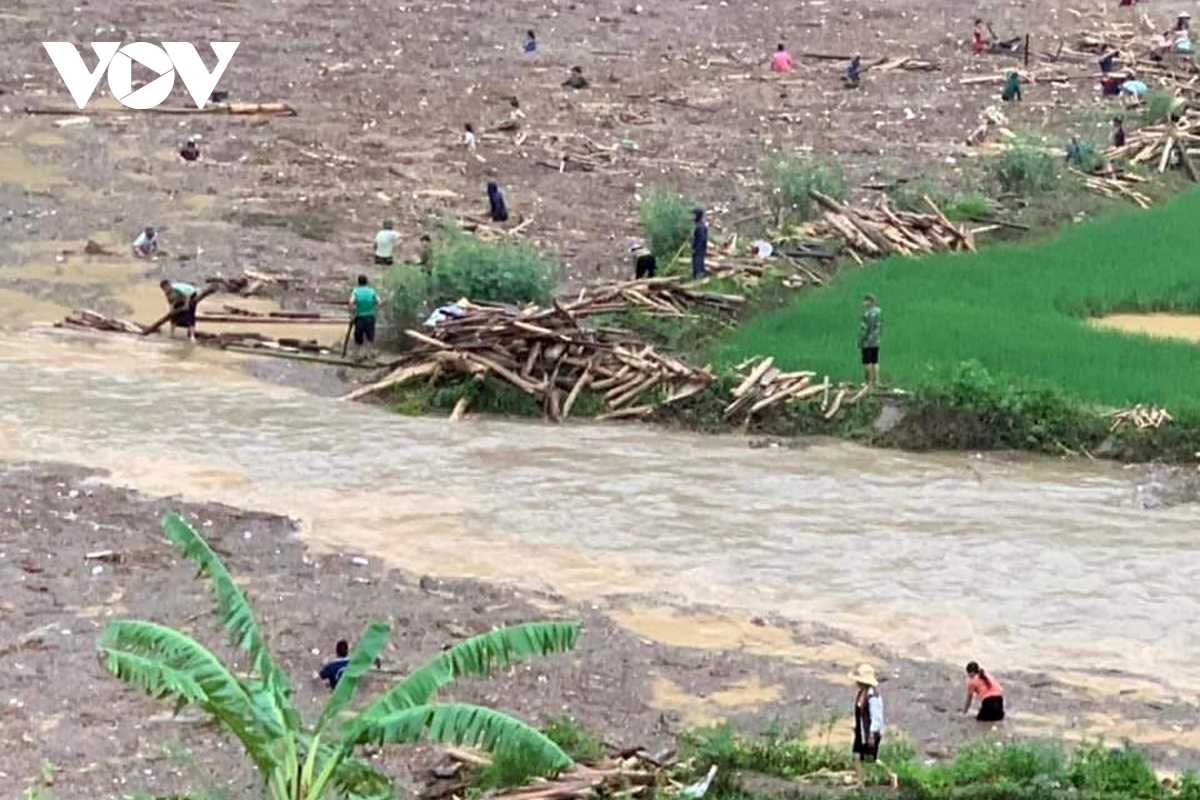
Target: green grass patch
{"type": "Point", "coordinates": [1018, 311]}
{"type": "Point", "coordinates": [576, 740]}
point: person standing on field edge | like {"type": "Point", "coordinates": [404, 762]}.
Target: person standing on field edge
{"type": "Point", "coordinates": [868, 339]}
{"type": "Point", "coordinates": [363, 302]}
{"type": "Point", "coordinates": [699, 244]}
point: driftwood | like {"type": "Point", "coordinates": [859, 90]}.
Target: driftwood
{"type": "Point", "coordinates": [1141, 417]}
{"type": "Point", "coordinates": [549, 354]}
{"type": "Point", "coordinates": [883, 231]}
{"type": "Point", "coordinates": [765, 387]}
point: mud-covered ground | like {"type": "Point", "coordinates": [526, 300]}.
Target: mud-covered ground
{"type": "Point", "coordinates": [383, 91]}
{"type": "Point", "coordinates": [62, 715]}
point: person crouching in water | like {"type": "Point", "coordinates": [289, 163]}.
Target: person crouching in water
{"type": "Point", "coordinates": [868, 716]}
{"type": "Point", "coordinates": [987, 688]}
{"type": "Point", "coordinates": [182, 298]}
{"type": "Point", "coordinates": [363, 302]}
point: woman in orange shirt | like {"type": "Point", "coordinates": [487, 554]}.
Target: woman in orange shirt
{"type": "Point", "coordinates": [991, 697]}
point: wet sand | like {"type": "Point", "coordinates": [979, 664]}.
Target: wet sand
{"type": "Point", "coordinates": [1170, 326]}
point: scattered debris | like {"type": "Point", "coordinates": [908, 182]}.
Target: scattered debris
{"type": "Point", "coordinates": [766, 386]}
{"type": "Point", "coordinates": [1140, 416]}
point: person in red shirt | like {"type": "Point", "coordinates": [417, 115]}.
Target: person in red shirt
{"type": "Point", "coordinates": [977, 37]}
{"type": "Point", "coordinates": [781, 61]}
{"type": "Point", "coordinates": [991, 696]}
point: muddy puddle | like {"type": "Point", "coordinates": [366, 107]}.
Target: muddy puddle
{"type": "Point", "coordinates": [1170, 326]}
{"type": "Point", "coordinates": [1039, 564]}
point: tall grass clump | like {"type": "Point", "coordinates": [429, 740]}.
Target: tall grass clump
{"type": "Point", "coordinates": [1024, 169]}
{"type": "Point", "coordinates": [968, 206]}
{"type": "Point", "coordinates": [666, 218]}
{"type": "Point", "coordinates": [909, 195]}
{"type": "Point", "coordinates": [466, 266]}
{"type": "Point", "coordinates": [788, 180]}
{"type": "Point", "coordinates": [1018, 311]}
{"type": "Point", "coordinates": [1157, 106]}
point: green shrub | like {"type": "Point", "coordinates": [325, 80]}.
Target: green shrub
{"type": "Point", "coordinates": [1024, 169]}
{"type": "Point", "coordinates": [666, 218]}
{"type": "Point", "coordinates": [465, 266]}
{"type": "Point", "coordinates": [1114, 769]}
{"type": "Point", "coordinates": [575, 740]}
{"type": "Point", "coordinates": [500, 272]}
{"type": "Point", "coordinates": [406, 291]}
{"type": "Point", "coordinates": [968, 205]}
{"type": "Point", "coordinates": [788, 179]}
{"type": "Point", "coordinates": [1157, 106]}
{"type": "Point", "coordinates": [1189, 785]}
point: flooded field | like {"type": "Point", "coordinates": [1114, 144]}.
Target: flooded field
{"type": "Point", "coordinates": [1171, 326]}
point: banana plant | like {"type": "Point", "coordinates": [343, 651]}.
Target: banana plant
{"type": "Point", "coordinates": [307, 762]}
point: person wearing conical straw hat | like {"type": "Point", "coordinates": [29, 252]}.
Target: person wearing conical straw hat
{"type": "Point", "coordinates": [868, 715]}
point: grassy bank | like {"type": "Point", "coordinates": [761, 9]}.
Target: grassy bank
{"type": "Point", "coordinates": [997, 348]}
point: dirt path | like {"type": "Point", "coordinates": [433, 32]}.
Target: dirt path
{"type": "Point", "coordinates": [643, 672]}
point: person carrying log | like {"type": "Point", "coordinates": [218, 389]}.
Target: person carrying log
{"type": "Point", "coordinates": [869, 332]}
{"type": "Point", "coordinates": [183, 299]}
{"type": "Point", "coordinates": [364, 301]}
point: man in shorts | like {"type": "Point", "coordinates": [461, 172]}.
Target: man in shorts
{"type": "Point", "coordinates": [868, 339]}
{"type": "Point", "coordinates": [363, 302]}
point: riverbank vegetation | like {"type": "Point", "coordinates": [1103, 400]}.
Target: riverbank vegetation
{"type": "Point", "coordinates": [297, 761]}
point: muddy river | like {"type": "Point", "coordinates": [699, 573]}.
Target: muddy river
{"type": "Point", "coordinates": [1036, 564]}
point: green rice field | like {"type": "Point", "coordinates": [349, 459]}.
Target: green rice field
{"type": "Point", "coordinates": [1020, 310]}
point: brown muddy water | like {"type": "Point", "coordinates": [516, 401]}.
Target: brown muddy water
{"type": "Point", "coordinates": [1035, 564]}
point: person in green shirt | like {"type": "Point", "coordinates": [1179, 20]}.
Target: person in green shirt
{"type": "Point", "coordinates": [868, 339]}
{"type": "Point", "coordinates": [363, 302]}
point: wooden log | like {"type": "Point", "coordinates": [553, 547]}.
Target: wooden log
{"type": "Point", "coordinates": [578, 388]}
{"type": "Point", "coordinates": [752, 379]}
{"type": "Point", "coordinates": [398, 378]}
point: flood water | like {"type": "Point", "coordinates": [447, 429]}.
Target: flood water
{"type": "Point", "coordinates": [1038, 564]}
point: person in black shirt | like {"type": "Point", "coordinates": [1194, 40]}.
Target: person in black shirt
{"type": "Point", "coordinates": [1118, 136]}
{"type": "Point", "coordinates": [332, 672]}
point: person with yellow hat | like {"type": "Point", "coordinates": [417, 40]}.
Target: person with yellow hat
{"type": "Point", "coordinates": [868, 714]}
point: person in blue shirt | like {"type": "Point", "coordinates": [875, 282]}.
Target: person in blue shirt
{"type": "Point", "coordinates": [182, 298]}
{"type": "Point", "coordinates": [530, 42]}
{"type": "Point", "coordinates": [699, 244]}
{"type": "Point", "coordinates": [331, 673]}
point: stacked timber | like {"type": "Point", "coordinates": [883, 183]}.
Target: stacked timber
{"type": "Point", "coordinates": [654, 296]}
{"type": "Point", "coordinates": [1163, 145]}
{"type": "Point", "coordinates": [1142, 417]}
{"type": "Point", "coordinates": [766, 386]}
{"type": "Point", "coordinates": [550, 356]}
{"type": "Point", "coordinates": [1116, 185]}
{"type": "Point", "coordinates": [883, 231]}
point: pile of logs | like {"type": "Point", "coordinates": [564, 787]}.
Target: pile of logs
{"type": "Point", "coordinates": [1141, 417]}
{"type": "Point", "coordinates": [1117, 184]}
{"type": "Point", "coordinates": [883, 231]}
{"type": "Point", "coordinates": [766, 386]}
{"type": "Point", "coordinates": [1164, 144]}
{"type": "Point", "coordinates": [626, 775]}
{"type": "Point", "coordinates": [578, 154]}
{"type": "Point", "coordinates": [654, 296]}
{"type": "Point", "coordinates": [550, 356]}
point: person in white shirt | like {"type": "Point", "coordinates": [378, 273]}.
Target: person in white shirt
{"type": "Point", "coordinates": [469, 137]}
{"type": "Point", "coordinates": [146, 244]}
{"type": "Point", "coordinates": [385, 244]}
